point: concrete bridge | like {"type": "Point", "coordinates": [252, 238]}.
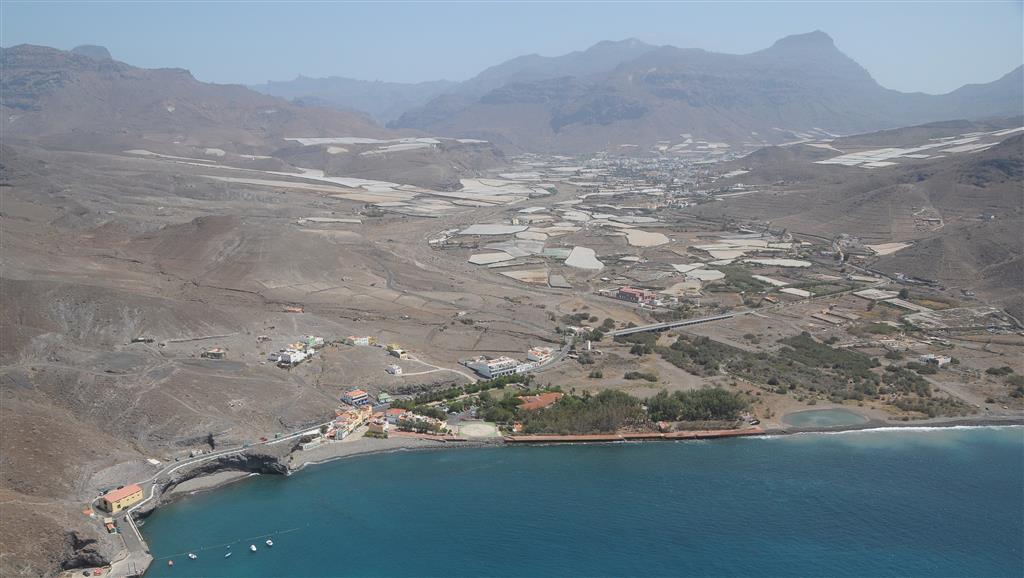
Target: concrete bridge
{"type": "Point", "coordinates": [671, 324]}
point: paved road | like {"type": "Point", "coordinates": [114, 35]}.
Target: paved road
{"type": "Point", "coordinates": [566, 346]}
{"type": "Point", "coordinates": [138, 557]}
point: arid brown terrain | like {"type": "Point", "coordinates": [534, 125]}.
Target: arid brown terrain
{"type": "Point", "coordinates": [147, 218]}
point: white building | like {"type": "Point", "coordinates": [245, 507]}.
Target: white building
{"type": "Point", "coordinates": [290, 357]}
{"type": "Point", "coordinates": [539, 354]}
{"type": "Point", "coordinates": [394, 369]}
{"type": "Point", "coordinates": [490, 368]}
{"type": "Point", "coordinates": [939, 360]}
{"type": "Point", "coordinates": [526, 366]}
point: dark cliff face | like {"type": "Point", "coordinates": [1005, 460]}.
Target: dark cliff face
{"type": "Point", "coordinates": [81, 553]}
{"type": "Point", "coordinates": [257, 463]}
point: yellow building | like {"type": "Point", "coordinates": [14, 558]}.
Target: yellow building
{"type": "Point", "coordinates": [121, 498]}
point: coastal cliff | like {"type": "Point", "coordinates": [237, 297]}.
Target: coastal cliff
{"type": "Point", "coordinates": [266, 460]}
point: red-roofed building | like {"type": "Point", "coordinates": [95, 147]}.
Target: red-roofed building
{"type": "Point", "coordinates": [394, 415]}
{"type": "Point", "coordinates": [121, 498]}
{"type": "Point", "coordinates": [539, 401]}
{"type": "Point", "coordinates": [356, 397]}
{"type": "Point", "coordinates": [636, 295]}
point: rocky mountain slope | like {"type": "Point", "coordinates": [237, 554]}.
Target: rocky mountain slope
{"type": "Point", "coordinates": [72, 100]}
{"type": "Point", "coordinates": [973, 203]}
{"type": "Point", "coordinates": [83, 100]}
{"type": "Point", "coordinates": [645, 94]}
{"type": "Point", "coordinates": [100, 249]}
{"type": "Point", "coordinates": [383, 101]}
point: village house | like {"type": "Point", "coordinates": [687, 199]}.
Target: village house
{"type": "Point", "coordinates": [348, 419]}
{"type": "Point", "coordinates": [939, 360]}
{"type": "Point", "coordinates": [367, 340]}
{"type": "Point", "coordinates": [121, 498]}
{"type": "Point", "coordinates": [539, 354]}
{"type": "Point", "coordinates": [539, 401]}
{"type": "Point", "coordinates": [356, 397]}
{"type": "Point", "coordinates": [491, 367]}
{"type": "Point", "coordinates": [395, 415]}
{"type": "Point", "coordinates": [215, 353]}
{"type": "Point", "coordinates": [635, 295]}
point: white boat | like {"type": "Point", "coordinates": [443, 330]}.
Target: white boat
{"type": "Point", "coordinates": [192, 556]}
{"type": "Point", "coordinates": [270, 542]}
{"type": "Point", "coordinates": [227, 555]}
{"type": "Point", "coordinates": [252, 547]}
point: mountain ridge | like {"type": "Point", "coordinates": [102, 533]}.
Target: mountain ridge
{"type": "Point", "coordinates": [61, 98]}
{"type": "Point", "coordinates": [799, 83]}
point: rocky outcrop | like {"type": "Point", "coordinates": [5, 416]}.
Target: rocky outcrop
{"type": "Point", "coordinates": [269, 460]}
{"type": "Point", "coordinates": [82, 553]}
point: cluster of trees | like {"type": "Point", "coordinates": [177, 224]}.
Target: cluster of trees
{"type": "Point", "coordinates": [643, 343]}
{"type": "Point", "coordinates": [902, 380]}
{"type": "Point", "coordinates": [922, 368]}
{"type": "Point", "coordinates": [805, 363]}
{"type": "Point", "coordinates": [606, 412]}
{"type": "Point", "coordinates": [866, 329]}
{"type": "Point", "coordinates": [699, 356]}
{"type": "Point", "coordinates": [933, 407]}
{"type": "Point", "coordinates": [578, 318]}
{"type": "Point", "coordinates": [500, 410]}
{"type": "Point", "coordinates": [1004, 370]}
{"type": "Point", "coordinates": [675, 314]}
{"type": "Point", "coordinates": [453, 392]}
{"type": "Point", "coordinates": [709, 404]}
{"type": "Point", "coordinates": [595, 334]}
{"type": "Point", "coordinates": [739, 280]}
{"type": "Point", "coordinates": [420, 426]}
{"type": "Point", "coordinates": [804, 349]}
{"type": "Point", "coordinates": [647, 376]}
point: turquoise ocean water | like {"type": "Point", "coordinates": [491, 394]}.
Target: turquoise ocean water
{"type": "Point", "coordinates": [944, 502]}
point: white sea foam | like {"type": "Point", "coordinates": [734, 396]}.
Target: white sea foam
{"type": "Point", "coordinates": [884, 429]}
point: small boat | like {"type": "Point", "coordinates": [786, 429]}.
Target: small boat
{"type": "Point", "coordinates": [252, 547]}
{"type": "Point", "coordinates": [227, 555]}
{"type": "Point", "coordinates": [192, 556]}
{"type": "Point", "coordinates": [270, 542]}
{"type": "Point", "coordinates": [170, 562]}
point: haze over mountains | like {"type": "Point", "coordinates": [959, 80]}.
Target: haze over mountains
{"type": "Point", "coordinates": [80, 99]}
{"type": "Point", "coordinates": [383, 101]}
{"type": "Point", "coordinates": [630, 92]}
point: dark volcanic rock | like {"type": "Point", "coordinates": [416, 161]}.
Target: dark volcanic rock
{"type": "Point", "coordinates": [92, 51]}
{"type": "Point", "coordinates": [82, 553]}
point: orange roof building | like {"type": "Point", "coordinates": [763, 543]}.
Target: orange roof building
{"type": "Point", "coordinates": [539, 401]}
{"type": "Point", "coordinates": [121, 498]}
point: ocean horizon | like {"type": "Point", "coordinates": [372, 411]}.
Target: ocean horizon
{"type": "Point", "coordinates": [883, 502]}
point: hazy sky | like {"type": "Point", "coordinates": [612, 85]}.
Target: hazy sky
{"type": "Point", "coordinates": [910, 46]}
